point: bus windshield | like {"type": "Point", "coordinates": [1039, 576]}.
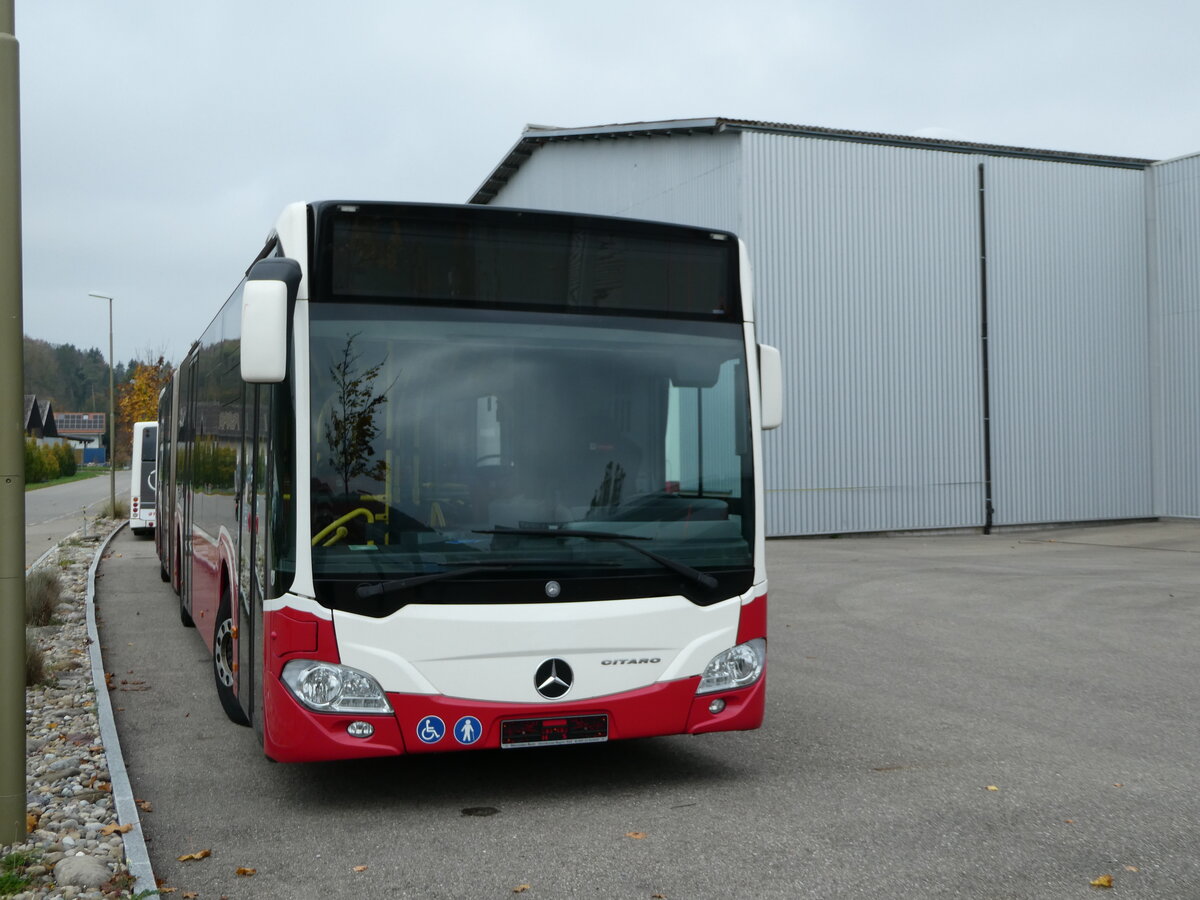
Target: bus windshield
{"type": "Point", "coordinates": [448, 438]}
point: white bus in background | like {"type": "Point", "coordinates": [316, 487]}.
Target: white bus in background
{"type": "Point", "coordinates": [143, 466]}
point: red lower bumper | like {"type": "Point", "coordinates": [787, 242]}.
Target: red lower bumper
{"type": "Point", "coordinates": [437, 724]}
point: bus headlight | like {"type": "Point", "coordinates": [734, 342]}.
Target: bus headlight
{"type": "Point", "coordinates": [328, 687]}
{"type": "Point", "coordinates": [734, 668]}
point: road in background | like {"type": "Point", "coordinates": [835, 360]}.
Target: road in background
{"type": "Point", "coordinates": [52, 513]}
{"type": "Point", "coordinates": [964, 716]}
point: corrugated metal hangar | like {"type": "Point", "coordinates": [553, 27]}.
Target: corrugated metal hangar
{"type": "Point", "coordinates": [973, 336]}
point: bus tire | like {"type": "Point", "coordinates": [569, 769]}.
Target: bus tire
{"type": "Point", "coordinates": [223, 662]}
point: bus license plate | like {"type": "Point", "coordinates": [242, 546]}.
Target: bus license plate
{"type": "Point", "coordinates": [553, 732]}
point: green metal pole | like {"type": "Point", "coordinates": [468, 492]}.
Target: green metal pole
{"type": "Point", "coordinates": [12, 446]}
{"type": "Point", "coordinates": [112, 424]}
{"type": "Point", "coordinates": [112, 421]}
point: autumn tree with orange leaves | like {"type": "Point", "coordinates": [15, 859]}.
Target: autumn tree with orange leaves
{"type": "Point", "coordinates": [137, 399]}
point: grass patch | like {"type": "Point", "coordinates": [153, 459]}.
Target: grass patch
{"type": "Point", "coordinates": [12, 883]}
{"type": "Point", "coordinates": [35, 663]}
{"type": "Point", "coordinates": [13, 879]}
{"type": "Point", "coordinates": [81, 475]}
{"type": "Point", "coordinates": [121, 511]}
{"type": "Point", "coordinates": [43, 592]}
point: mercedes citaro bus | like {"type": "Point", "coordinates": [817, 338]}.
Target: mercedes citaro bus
{"type": "Point", "coordinates": [457, 477]}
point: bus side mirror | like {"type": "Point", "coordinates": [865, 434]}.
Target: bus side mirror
{"type": "Point", "coordinates": [269, 291]}
{"type": "Point", "coordinates": [770, 387]}
{"type": "Point", "coordinates": [264, 332]}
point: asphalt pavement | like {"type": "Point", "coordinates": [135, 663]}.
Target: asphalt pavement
{"type": "Point", "coordinates": [53, 513]}
{"type": "Point", "coordinates": [1011, 715]}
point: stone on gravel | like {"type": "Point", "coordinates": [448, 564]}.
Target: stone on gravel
{"type": "Point", "coordinates": [81, 871]}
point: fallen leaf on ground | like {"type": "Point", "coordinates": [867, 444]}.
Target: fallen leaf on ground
{"type": "Point", "coordinates": [199, 854]}
{"type": "Point", "coordinates": [520, 888]}
{"type": "Point", "coordinates": [636, 835]}
{"type": "Point", "coordinates": [242, 870]}
{"type": "Point", "coordinates": [144, 805]}
{"type": "Point", "coordinates": [1131, 868]}
{"type": "Point", "coordinates": [360, 868]}
{"type": "Point", "coordinates": [190, 895]}
{"type": "Point", "coordinates": [992, 787]}
{"type": "Point", "coordinates": [116, 829]}
{"type": "Point", "coordinates": [1104, 881]}
{"type": "Point", "coordinates": [31, 822]}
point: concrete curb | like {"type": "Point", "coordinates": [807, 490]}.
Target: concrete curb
{"type": "Point", "coordinates": [136, 854]}
{"type": "Point", "coordinates": [41, 559]}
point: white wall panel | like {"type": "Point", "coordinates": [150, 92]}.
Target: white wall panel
{"type": "Point", "coordinates": [683, 179]}
{"type": "Point", "coordinates": [1069, 342]}
{"type": "Point", "coordinates": [1176, 317]}
{"type": "Point", "coordinates": [866, 263]}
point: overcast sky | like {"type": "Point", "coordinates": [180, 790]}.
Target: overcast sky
{"type": "Point", "coordinates": [162, 138]}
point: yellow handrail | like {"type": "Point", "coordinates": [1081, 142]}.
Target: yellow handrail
{"type": "Point", "coordinates": [341, 521]}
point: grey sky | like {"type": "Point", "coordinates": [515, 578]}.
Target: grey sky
{"type": "Point", "coordinates": [161, 139]}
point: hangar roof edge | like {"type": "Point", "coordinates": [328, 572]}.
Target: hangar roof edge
{"type": "Point", "coordinates": [534, 136]}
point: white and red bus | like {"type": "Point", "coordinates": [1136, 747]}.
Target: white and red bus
{"type": "Point", "coordinates": [445, 478]}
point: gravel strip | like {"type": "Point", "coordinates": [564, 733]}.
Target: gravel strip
{"type": "Point", "coordinates": [75, 849]}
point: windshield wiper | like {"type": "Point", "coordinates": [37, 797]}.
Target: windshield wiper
{"type": "Point", "coordinates": [624, 540]}
{"type": "Point", "coordinates": [367, 591]}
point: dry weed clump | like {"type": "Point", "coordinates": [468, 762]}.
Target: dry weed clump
{"type": "Point", "coordinates": [35, 663]}
{"type": "Point", "coordinates": [43, 593]}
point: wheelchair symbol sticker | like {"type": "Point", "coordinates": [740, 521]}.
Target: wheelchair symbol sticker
{"type": "Point", "coordinates": [467, 730]}
{"type": "Point", "coordinates": [431, 730]}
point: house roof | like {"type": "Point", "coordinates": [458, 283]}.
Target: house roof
{"type": "Point", "coordinates": [33, 414]}
{"type": "Point", "coordinates": [49, 426]}
{"type": "Point", "coordinates": [534, 136]}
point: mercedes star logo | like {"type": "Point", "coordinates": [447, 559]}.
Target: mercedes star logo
{"type": "Point", "coordinates": [553, 678]}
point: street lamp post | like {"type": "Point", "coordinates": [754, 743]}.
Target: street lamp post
{"type": "Point", "coordinates": [112, 422]}
{"type": "Point", "coordinates": [12, 440]}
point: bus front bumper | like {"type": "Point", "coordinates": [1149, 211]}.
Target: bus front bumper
{"type": "Point", "coordinates": [424, 723]}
